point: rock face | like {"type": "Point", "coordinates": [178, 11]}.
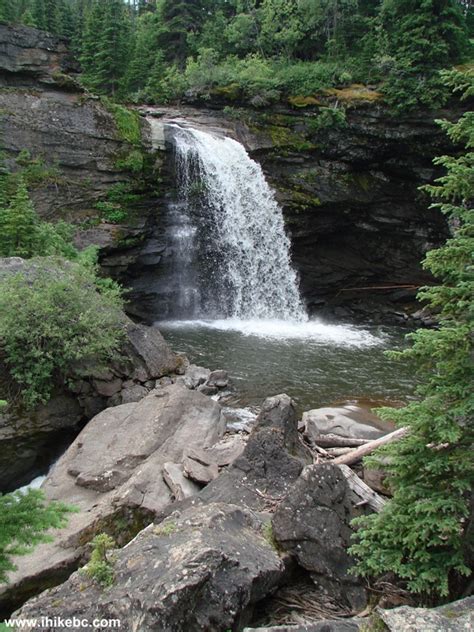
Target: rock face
{"type": "Point", "coordinates": [112, 474]}
{"type": "Point", "coordinates": [33, 53]}
{"type": "Point", "coordinates": [313, 524]}
{"type": "Point", "coordinates": [201, 569]}
{"type": "Point", "coordinates": [351, 202]}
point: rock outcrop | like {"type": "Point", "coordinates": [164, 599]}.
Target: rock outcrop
{"type": "Point", "coordinates": [202, 569]}
{"type": "Point", "coordinates": [112, 474]}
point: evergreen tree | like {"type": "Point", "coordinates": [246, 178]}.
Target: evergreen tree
{"type": "Point", "coordinates": [178, 19]}
{"type": "Point", "coordinates": [420, 534]}
{"type": "Point", "coordinates": [38, 11]}
{"type": "Point", "coordinates": [18, 223]}
{"type": "Point", "coordinates": [144, 53]}
{"type": "Point", "coordinates": [105, 45]}
{"type": "Point", "coordinates": [7, 11]}
{"type": "Point", "coordinates": [24, 518]}
{"type": "Point", "coordinates": [424, 36]}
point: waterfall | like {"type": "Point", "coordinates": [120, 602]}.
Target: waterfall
{"type": "Point", "coordinates": [230, 227]}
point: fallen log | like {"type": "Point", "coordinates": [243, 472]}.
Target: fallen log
{"type": "Point", "coordinates": [368, 448]}
{"type": "Point", "coordinates": [330, 440]}
{"type": "Point", "coordinates": [364, 495]}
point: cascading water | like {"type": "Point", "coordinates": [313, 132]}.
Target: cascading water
{"type": "Point", "coordinates": [229, 225]}
{"type": "Point", "coordinates": [230, 295]}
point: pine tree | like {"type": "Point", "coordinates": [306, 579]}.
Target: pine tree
{"type": "Point", "coordinates": [105, 46]}
{"type": "Point", "coordinates": [7, 11]}
{"type": "Point", "coordinates": [424, 36]}
{"type": "Point", "coordinates": [38, 11]}
{"type": "Point", "coordinates": [144, 53]}
{"type": "Point", "coordinates": [52, 16]}
{"type": "Point", "coordinates": [421, 533]}
{"type": "Point", "coordinates": [178, 18]}
{"type": "Point", "coordinates": [24, 518]}
{"type": "Point", "coordinates": [18, 223]}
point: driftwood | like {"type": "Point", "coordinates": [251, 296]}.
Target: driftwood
{"type": "Point", "coordinates": [338, 451]}
{"type": "Point", "coordinates": [336, 441]}
{"type": "Point", "coordinates": [364, 495]}
{"type": "Point", "coordinates": [368, 448]}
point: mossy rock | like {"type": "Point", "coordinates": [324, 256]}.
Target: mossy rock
{"type": "Point", "coordinates": [232, 92]}
{"type": "Point", "coordinates": [299, 101]}
{"type": "Point", "coordinates": [355, 93]}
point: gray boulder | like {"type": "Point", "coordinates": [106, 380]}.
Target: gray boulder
{"type": "Point", "coordinates": [322, 425]}
{"type": "Point", "coordinates": [457, 616]}
{"type": "Point", "coordinates": [312, 523]}
{"type": "Point", "coordinates": [202, 569]}
{"type": "Point", "coordinates": [113, 475]}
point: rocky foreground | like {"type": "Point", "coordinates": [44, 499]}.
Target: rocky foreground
{"type": "Point", "coordinates": [218, 530]}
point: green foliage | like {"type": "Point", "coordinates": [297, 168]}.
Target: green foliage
{"type": "Point", "coordinates": [127, 121]}
{"type": "Point", "coordinates": [167, 50]}
{"type": "Point", "coordinates": [423, 37]}
{"type": "Point", "coordinates": [166, 529]}
{"type": "Point", "coordinates": [24, 518]}
{"type": "Point", "coordinates": [52, 316]}
{"type": "Point", "coordinates": [111, 212]}
{"type": "Point", "coordinates": [133, 161]}
{"type": "Point", "coordinates": [22, 232]}
{"type": "Point", "coordinates": [420, 533]}
{"type": "Point", "coordinates": [100, 566]}
{"type": "Point", "coordinates": [328, 118]}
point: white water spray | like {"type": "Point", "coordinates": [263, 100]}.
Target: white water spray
{"type": "Point", "coordinates": [249, 273]}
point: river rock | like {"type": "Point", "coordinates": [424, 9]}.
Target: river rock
{"type": "Point", "coordinates": [195, 376]}
{"type": "Point", "coordinates": [312, 523]}
{"type": "Point", "coordinates": [199, 472]}
{"type": "Point", "coordinates": [180, 486]}
{"type": "Point", "coordinates": [348, 422]}
{"type": "Point", "coordinates": [112, 474]}
{"type": "Point", "coordinates": [457, 616]}
{"type": "Point", "coordinates": [219, 379]}
{"type": "Point", "coordinates": [202, 569]}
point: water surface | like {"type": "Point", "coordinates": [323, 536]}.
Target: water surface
{"type": "Point", "coordinates": [315, 363]}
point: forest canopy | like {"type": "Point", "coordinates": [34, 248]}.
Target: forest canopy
{"type": "Point", "coordinates": [257, 51]}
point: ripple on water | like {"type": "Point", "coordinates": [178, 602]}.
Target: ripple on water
{"type": "Point", "coordinates": [316, 363]}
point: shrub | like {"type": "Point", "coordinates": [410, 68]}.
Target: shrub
{"type": "Point", "coordinates": [100, 566]}
{"type": "Point", "coordinates": [126, 120]}
{"type": "Point", "coordinates": [53, 315]}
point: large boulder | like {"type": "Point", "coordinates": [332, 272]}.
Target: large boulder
{"type": "Point", "coordinates": [342, 425]}
{"type": "Point", "coordinates": [271, 462]}
{"type": "Point", "coordinates": [312, 523]}
{"type": "Point", "coordinates": [202, 569]}
{"type": "Point", "coordinates": [113, 475]}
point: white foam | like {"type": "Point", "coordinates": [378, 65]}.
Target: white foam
{"type": "Point", "coordinates": [312, 330]}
